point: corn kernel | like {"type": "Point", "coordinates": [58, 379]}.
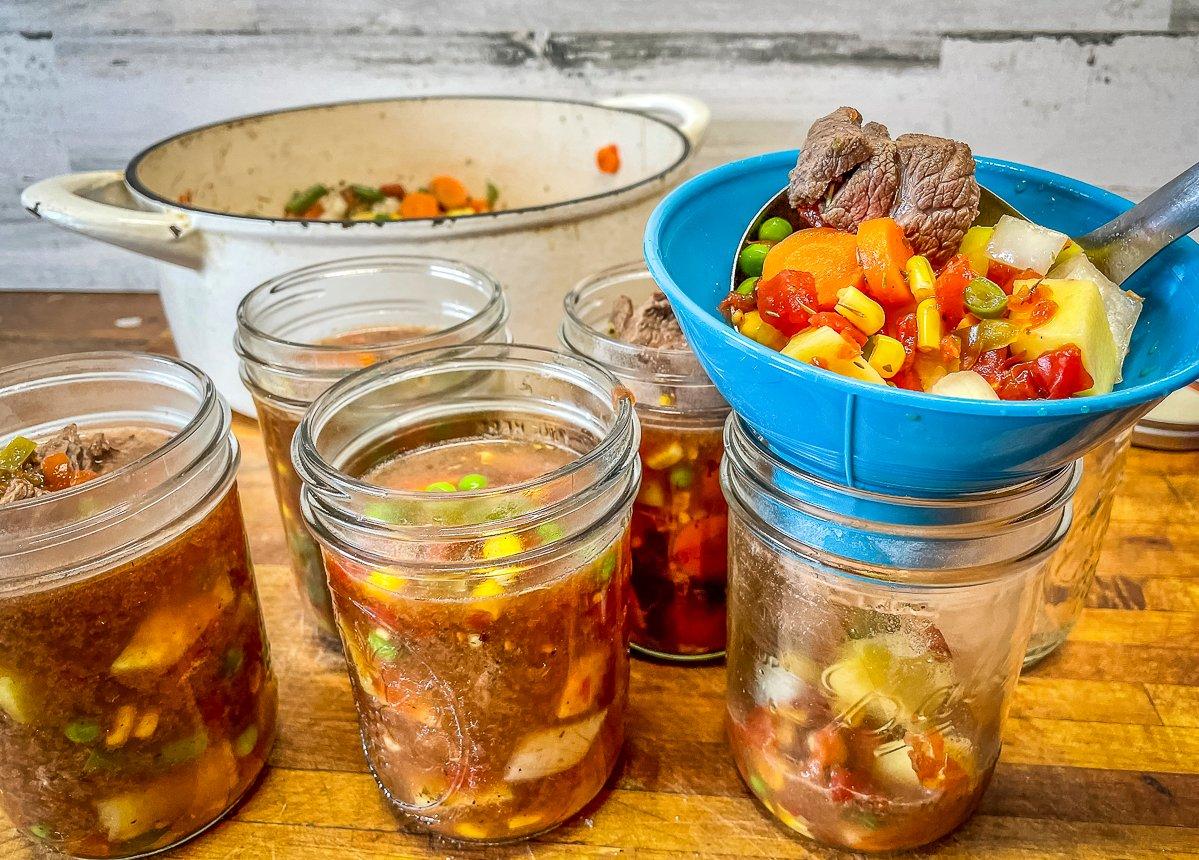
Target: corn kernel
{"type": "Point", "coordinates": [756, 328]}
{"type": "Point", "coordinates": [665, 457]}
{"type": "Point", "coordinates": [921, 280]}
{"type": "Point", "coordinates": [928, 326]}
{"type": "Point", "coordinates": [885, 354]}
{"type": "Point", "coordinates": [651, 494]}
{"type": "Point", "coordinates": [386, 581]}
{"type": "Point", "coordinates": [974, 248]}
{"type": "Point", "coordinates": [861, 310]}
{"type": "Point", "coordinates": [488, 588]}
{"type": "Point", "coordinates": [461, 210]}
{"type": "Point", "coordinates": [122, 727]}
{"type": "Point", "coordinates": [146, 725]}
{"type": "Point", "coordinates": [502, 546]}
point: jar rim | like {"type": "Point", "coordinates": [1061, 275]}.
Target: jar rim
{"type": "Point", "coordinates": [968, 519]}
{"type": "Point", "coordinates": [206, 430]}
{"type": "Point", "coordinates": [250, 334]}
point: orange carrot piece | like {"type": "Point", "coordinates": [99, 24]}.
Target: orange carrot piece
{"type": "Point", "coordinates": [829, 255]}
{"type": "Point", "coordinates": [883, 251]}
{"type": "Point", "coordinates": [607, 158]}
{"type": "Point", "coordinates": [450, 193]}
{"type": "Point", "coordinates": [419, 204]}
{"type": "Point", "coordinates": [479, 205]}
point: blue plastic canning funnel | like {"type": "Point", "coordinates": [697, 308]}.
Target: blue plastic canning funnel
{"type": "Point", "coordinates": [902, 442]}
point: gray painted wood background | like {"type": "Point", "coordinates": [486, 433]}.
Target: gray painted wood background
{"type": "Point", "coordinates": [1107, 91]}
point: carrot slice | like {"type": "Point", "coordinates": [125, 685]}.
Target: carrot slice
{"type": "Point", "coordinates": [883, 251]}
{"type": "Point", "coordinates": [829, 255]}
{"type": "Point", "coordinates": [419, 204]}
{"type": "Point", "coordinates": [607, 158]}
{"type": "Point", "coordinates": [450, 193]}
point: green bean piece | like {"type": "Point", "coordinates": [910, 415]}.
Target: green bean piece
{"type": "Point", "coordinates": [15, 453]}
{"type": "Point", "coordinates": [985, 299]}
{"type": "Point", "coordinates": [751, 259]}
{"type": "Point", "coordinates": [82, 731]}
{"type": "Point", "coordinates": [681, 477]}
{"type": "Point", "coordinates": [607, 567]}
{"type": "Point", "coordinates": [988, 335]}
{"type": "Point", "coordinates": [493, 193]}
{"type": "Point", "coordinates": [381, 645]}
{"type": "Point", "coordinates": [747, 287]}
{"type": "Point", "coordinates": [184, 749]}
{"type": "Point", "coordinates": [367, 194]}
{"type": "Point", "coordinates": [775, 230]}
{"type": "Point", "coordinates": [302, 201]}
{"type": "Point", "coordinates": [473, 481]}
{"type": "Point", "coordinates": [246, 741]}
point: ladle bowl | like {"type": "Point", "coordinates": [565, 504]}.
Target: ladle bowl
{"type": "Point", "coordinates": [902, 442]}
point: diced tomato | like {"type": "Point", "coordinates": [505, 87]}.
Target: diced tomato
{"type": "Point", "coordinates": [951, 285]}
{"type": "Point", "coordinates": [841, 326]}
{"type": "Point", "coordinates": [845, 784]}
{"type": "Point", "coordinates": [314, 211]}
{"type": "Point", "coordinates": [827, 746]}
{"type": "Point", "coordinates": [1042, 312]}
{"type": "Point", "coordinates": [904, 331]}
{"type": "Point", "coordinates": [1005, 275]}
{"type": "Point", "coordinates": [787, 300]}
{"type": "Point", "coordinates": [392, 189]}
{"type": "Point", "coordinates": [1056, 375]}
{"type": "Point", "coordinates": [951, 349]}
{"type": "Point", "coordinates": [990, 365]}
{"type": "Point", "coordinates": [734, 301]}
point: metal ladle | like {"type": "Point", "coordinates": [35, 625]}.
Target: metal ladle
{"type": "Point", "coordinates": [1118, 248]}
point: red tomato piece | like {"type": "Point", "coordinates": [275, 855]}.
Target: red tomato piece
{"type": "Point", "coordinates": [1055, 375]}
{"type": "Point", "coordinates": [840, 325]}
{"type": "Point", "coordinates": [951, 285]}
{"type": "Point", "coordinates": [788, 300]}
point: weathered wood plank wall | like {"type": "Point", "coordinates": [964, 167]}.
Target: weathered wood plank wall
{"type": "Point", "coordinates": [1102, 89]}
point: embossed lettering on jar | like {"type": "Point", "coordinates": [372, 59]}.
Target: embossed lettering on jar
{"type": "Point", "coordinates": [473, 506]}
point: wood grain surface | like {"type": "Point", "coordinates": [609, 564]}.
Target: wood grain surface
{"type": "Point", "coordinates": [1101, 754]}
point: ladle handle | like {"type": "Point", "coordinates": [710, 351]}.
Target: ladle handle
{"type": "Point", "coordinates": [1123, 245]}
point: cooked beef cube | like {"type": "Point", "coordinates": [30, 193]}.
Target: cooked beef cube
{"type": "Point", "coordinates": [938, 195]}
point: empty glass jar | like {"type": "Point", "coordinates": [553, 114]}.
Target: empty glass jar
{"type": "Point", "coordinates": [680, 519]}
{"type": "Point", "coordinates": [874, 643]}
{"type": "Point", "coordinates": [473, 505]}
{"type": "Point", "coordinates": [299, 333]}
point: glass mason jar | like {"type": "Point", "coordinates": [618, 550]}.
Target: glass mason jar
{"type": "Point", "coordinates": [137, 701]}
{"type": "Point", "coordinates": [473, 506]}
{"type": "Point", "coordinates": [1071, 571]}
{"type": "Point", "coordinates": [874, 643]}
{"type": "Point", "coordinates": [680, 518]}
{"type": "Point", "coordinates": [299, 333]}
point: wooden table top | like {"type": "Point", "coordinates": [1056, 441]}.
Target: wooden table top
{"type": "Point", "coordinates": [1100, 756]}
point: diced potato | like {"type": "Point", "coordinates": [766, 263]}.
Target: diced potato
{"type": "Point", "coordinates": [165, 634]}
{"type": "Point", "coordinates": [966, 384]}
{"type": "Point", "coordinates": [14, 699]}
{"type": "Point", "coordinates": [825, 347]}
{"type": "Point", "coordinates": [1123, 306]}
{"type": "Point", "coordinates": [553, 750]}
{"type": "Point", "coordinates": [1080, 319]}
{"type": "Point", "coordinates": [583, 683]}
{"type": "Point", "coordinates": [893, 768]}
{"type": "Point", "coordinates": [756, 328]}
{"type": "Point", "coordinates": [1024, 245]}
{"type": "Point", "coordinates": [883, 678]}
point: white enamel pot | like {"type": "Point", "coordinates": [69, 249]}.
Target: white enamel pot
{"type": "Point", "coordinates": [560, 219]}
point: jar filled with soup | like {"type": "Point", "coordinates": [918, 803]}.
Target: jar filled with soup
{"type": "Point", "coordinates": [137, 701]}
{"type": "Point", "coordinates": [302, 331]}
{"type": "Point", "coordinates": [874, 644]}
{"type": "Point", "coordinates": [619, 319]}
{"type": "Point", "coordinates": [473, 506]}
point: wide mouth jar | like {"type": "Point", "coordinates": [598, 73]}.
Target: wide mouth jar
{"type": "Point", "coordinates": [473, 504]}
{"type": "Point", "coordinates": [874, 643]}
{"type": "Point", "coordinates": [680, 517]}
{"type": "Point", "coordinates": [303, 331]}
{"type": "Point", "coordinates": [137, 701]}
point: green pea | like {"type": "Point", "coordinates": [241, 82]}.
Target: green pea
{"type": "Point", "coordinates": [82, 731]}
{"type": "Point", "coordinates": [775, 230]}
{"type": "Point", "coordinates": [381, 645]}
{"type": "Point", "coordinates": [550, 532]}
{"type": "Point", "coordinates": [185, 749]}
{"type": "Point", "coordinates": [747, 287]}
{"type": "Point", "coordinates": [231, 662]}
{"type": "Point", "coordinates": [473, 481]}
{"type": "Point", "coordinates": [41, 831]}
{"type": "Point", "coordinates": [246, 741]}
{"type": "Point", "coordinates": [681, 477]}
{"type": "Point", "coordinates": [440, 487]}
{"type": "Point", "coordinates": [985, 299]}
{"type": "Point", "coordinates": [390, 512]}
{"type": "Point", "coordinates": [751, 259]}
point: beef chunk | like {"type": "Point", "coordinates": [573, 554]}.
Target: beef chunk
{"type": "Point", "coordinates": [653, 324]}
{"type": "Point", "coordinates": [938, 195]}
{"type": "Point", "coordinates": [84, 452]}
{"type": "Point", "coordinates": [849, 172]}
{"type": "Point", "coordinates": [19, 489]}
